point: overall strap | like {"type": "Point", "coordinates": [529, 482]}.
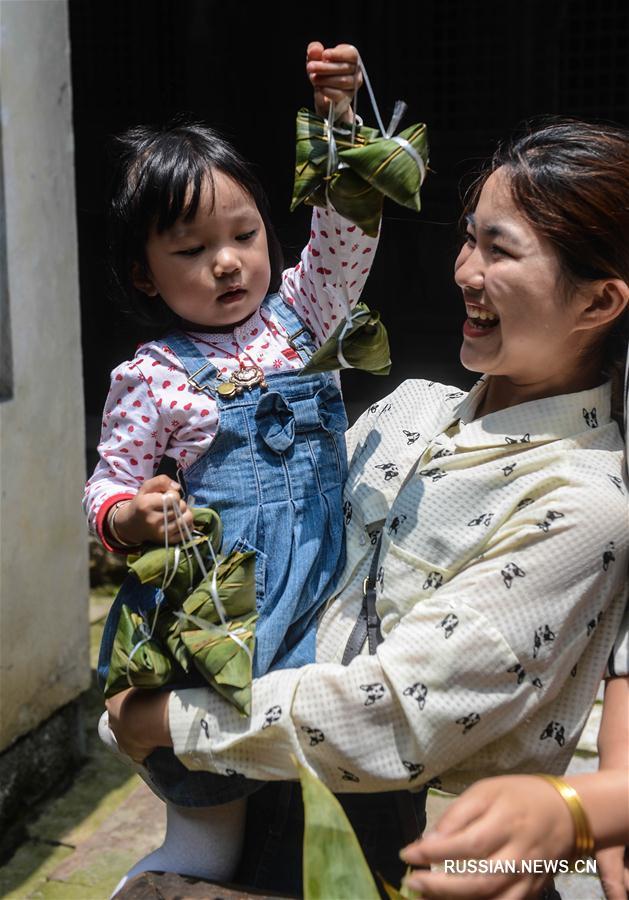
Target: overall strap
{"type": "Point", "coordinates": [367, 627]}
{"type": "Point", "coordinates": [409, 807]}
{"type": "Point", "coordinates": [202, 373]}
{"type": "Point", "coordinates": [298, 335]}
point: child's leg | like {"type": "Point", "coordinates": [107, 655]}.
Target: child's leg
{"type": "Point", "coordinates": [204, 842]}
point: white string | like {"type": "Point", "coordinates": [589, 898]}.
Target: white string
{"type": "Point", "coordinates": [201, 623]}
{"type": "Point", "coordinates": [166, 581]}
{"type": "Point", "coordinates": [187, 534]}
{"type": "Point", "coordinates": [372, 97]}
{"type": "Point", "coordinates": [332, 165]}
{"type": "Point", "coordinates": [406, 145]}
{"type": "Point", "coordinates": [207, 626]}
{"type": "Point", "coordinates": [188, 545]}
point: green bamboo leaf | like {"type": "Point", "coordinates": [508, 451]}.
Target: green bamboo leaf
{"type": "Point", "coordinates": [365, 346]}
{"type": "Point", "coordinates": [168, 632]}
{"type": "Point", "coordinates": [149, 566]}
{"type": "Point", "coordinates": [404, 893]}
{"type": "Point", "coordinates": [188, 629]}
{"type": "Point", "coordinates": [237, 672]}
{"type": "Point", "coordinates": [369, 169]}
{"type": "Point", "coordinates": [235, 583]}
{"type": "Point", "coordinates": [334, 864]}
{"type": "Point", "coordinates": [137, 656]}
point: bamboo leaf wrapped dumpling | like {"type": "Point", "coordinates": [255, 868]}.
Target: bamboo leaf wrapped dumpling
{"type": "Point", "coordinates": [137, 659]}
{"type": "Point", "coordinates": [149, 566]}
{"type": "Point", "coordinates": [365, 345]}
{"type": "Point", "coordinates": [363, 172]}
{"type": "Point", "coordinates": [223, 654]}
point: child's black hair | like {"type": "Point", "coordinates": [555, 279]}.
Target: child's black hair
{"type": "Point", "coordinates": [158, 176]}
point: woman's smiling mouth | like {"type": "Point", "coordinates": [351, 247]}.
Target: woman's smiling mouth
{"type": "Point", "coordinates": [480, 321]}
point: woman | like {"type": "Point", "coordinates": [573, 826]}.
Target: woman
{"type": "Point", "coordinates": [502, 513]}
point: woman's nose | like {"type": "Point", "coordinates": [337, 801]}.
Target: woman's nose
{"type": "Point", "coordinates": [468, 269]}
{"type": "Point", "coordinates": [226, 262]}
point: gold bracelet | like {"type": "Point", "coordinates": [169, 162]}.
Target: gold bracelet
{"type": "Point", "coordinates": [111, 516]}
{"type": "Point", "coordinates": [584, 839]}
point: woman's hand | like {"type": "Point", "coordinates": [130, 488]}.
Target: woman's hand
{"type": "Point", "coordinates": [139, 721]}
{"type": "Point", "coordinates": [335, 76]}
{"type": "Point", "coordinates": [142, 519]}
{"type": "Point", "coordinates": [508, 818]}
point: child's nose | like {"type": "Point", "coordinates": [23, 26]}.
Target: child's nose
{"type": "Point", "coordinates": [226, 262]}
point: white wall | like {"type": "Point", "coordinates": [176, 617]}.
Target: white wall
{"type": "Point", "coordinates": [43, 562]}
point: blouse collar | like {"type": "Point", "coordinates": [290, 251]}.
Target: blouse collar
{"type": "Point", "coordinates": [534, 422]}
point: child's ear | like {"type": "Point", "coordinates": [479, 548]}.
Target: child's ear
{"type": "Point", "coordinates": [606, 301]}
{"type": "Point", "coordinates": [142, 280]}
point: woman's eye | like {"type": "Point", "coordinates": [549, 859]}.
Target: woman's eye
{"type": "Point", "coordinates": [498, 251]}
{"type": "Point", "coordinates": [192, 251]}
{"type": "Point", "coordinates": [247, 235]}
{"type": "Point", "coordinates": [470, 240]}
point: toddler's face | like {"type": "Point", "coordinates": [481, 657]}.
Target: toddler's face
{"type": "Point", "coordinates": [213, 271]}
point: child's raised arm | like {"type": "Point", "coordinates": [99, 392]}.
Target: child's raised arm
{"type": "Point", "coordinates": [335, 75]}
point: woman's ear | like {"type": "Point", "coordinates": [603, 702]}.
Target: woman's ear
{"type": "Point", "coordinates": [142, 280]}
{"type": "Point", "coordinates": [603, 302]}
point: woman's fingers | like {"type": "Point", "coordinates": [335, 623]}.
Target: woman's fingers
{"type": "Point", "coordinates": [452, 832]}
{"type": "Point", "coordinates": [482, 887]}
{"type": "Point", "coordinates": [612, 872]}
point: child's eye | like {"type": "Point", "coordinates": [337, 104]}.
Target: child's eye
{"type": "Point", "coordinates": [192, 251]}
{"type": "Point", "coordinates": [247, 235]}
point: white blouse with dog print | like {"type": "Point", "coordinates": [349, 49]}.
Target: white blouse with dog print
{"type": "Point", "coordinates": [501, 588]}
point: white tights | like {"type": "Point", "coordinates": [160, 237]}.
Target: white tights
{"type": "Point", "coordinates": [204, 842]}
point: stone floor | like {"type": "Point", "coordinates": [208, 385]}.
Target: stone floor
{"type": "Point", "coordinates": [81, 842]}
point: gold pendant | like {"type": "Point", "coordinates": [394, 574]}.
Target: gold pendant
{"type": "Point", "coordinates": [247, 377]}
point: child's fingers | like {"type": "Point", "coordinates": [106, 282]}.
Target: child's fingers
{"type": "Point", "coordinates": [341, 53]}
{"type": "Point", "coordinates": [314, 50]}
{"type": "Point", "coordinates": [174, 531]}
{"type": "Point", "coordinates": [339, 98]}
{"type": "Point", "coordinates": [321, 68]}
{"type": "Point", "coordinates": [159, 484]}
{"type": "Point", "coordinates": [337, 82]}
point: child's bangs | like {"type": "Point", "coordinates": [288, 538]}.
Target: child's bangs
{"type": "Point", "coordinates": [177, 188]}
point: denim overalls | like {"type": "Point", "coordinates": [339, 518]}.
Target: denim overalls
{"type": "Point", "coordinates": [275, 473]}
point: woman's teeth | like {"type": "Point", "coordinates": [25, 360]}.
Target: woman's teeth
{"type": "Point", "coordinates": [481, 317]}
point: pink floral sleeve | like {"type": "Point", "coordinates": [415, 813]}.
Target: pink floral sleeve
{"type": "Point", "coordinates": [133, 438]}
{"type": "Point", "coordinates": [334, 264]}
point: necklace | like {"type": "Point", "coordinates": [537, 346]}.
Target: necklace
{"type": "Point", "coordinates": [244, 377]}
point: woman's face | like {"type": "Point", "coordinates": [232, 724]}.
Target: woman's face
{"type": "Point", "coordinates": [518, 323]}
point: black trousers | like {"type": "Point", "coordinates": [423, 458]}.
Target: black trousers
{"type": "Point", "coordinates": [272, 855]}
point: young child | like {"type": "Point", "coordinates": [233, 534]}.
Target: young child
{"type": "Point", "coordinates": [193, 249]}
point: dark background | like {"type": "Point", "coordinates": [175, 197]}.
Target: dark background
{"type": "Point", "coordinates": [471, 70]}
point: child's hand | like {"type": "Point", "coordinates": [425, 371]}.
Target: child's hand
{"type": "Point", "coordinates": [142, 519]}
{"type": "Point", "coordinates": [335, 75]}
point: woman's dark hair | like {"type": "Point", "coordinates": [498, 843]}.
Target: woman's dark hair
{"type": "Point", "coordinates": [570, 179]}
{"type": "Point", "coordinates": [158, 177]}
